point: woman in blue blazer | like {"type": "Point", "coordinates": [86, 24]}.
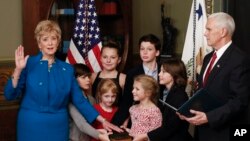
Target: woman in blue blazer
{"type": "Point", "coordinates": [45, 86]}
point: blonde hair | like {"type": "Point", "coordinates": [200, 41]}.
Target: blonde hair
{"type": "Point", "coordinates": [104, 86]}
{"type": "Point", "coordinates": [150, 85]}
{"type": "Point", "coordinates": [47, 26]}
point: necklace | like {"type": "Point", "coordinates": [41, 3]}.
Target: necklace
{"type": "Point", "coordinates": [50, 64]}
{"type": "Point", "coordinates": [49, 67]}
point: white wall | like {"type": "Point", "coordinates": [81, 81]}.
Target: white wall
{"type": "Point", "coordinates": [147, 19]}
{"type": "Point", "coordinates": [10, 28]}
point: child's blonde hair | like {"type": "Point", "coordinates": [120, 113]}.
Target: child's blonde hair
{"type": "Point", "coordinates": [104, 86]}
{"type": "Point", "coordinates": [150, 85]}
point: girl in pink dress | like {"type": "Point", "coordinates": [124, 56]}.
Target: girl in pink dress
{"type": "Point", "coordinates": [145, 116]}
{"type": "Point", "coordinates": [106, 97]}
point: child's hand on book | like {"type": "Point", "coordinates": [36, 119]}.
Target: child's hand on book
{"type": "Point", "coordinates": [140, 137]}
{"type": "Point", "coordinates": [125, 128]}
{"type": "Point", "coordinates": [103, 134]}
{"type": "Point", "coordinates": [109, 126]}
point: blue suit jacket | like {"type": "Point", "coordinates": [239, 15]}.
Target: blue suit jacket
{"type": "Point", "coordinates": [40, 95]}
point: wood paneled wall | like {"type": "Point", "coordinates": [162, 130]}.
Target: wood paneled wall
{"type": "Point", "coordinates": [8, 109]}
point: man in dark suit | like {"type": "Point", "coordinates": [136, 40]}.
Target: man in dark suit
{"type": "Point", "coordinates": [227, 81]}
{"type": "Point", "coordinates": [149, 46]}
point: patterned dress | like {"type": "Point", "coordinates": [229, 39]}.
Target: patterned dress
{"type": "Point", "coordinates": [144, 120]}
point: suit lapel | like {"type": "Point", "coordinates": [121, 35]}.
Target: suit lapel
{"type": "Point", "coordinates": [220, 64]}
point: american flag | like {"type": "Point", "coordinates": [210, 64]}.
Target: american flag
{"type": "Point", "coordinates": [85, 44]}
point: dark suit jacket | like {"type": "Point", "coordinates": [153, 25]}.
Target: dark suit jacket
{"type": "Point", "coordinates": [127, 100]}
{"type": "Point", "coordinates": [173, 128]}
{"type": "Point", "coordinates": [228, 83]}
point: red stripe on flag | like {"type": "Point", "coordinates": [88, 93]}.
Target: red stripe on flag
{"type": "Point", "coordinates": [71, 57]}
{"type": "Point", "coordinates": [88, 64]}
{"type": "Point", "coordinates": [97, 53]}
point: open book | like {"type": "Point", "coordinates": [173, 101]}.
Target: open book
{"type": "Point", "coordinates": [200, 101]}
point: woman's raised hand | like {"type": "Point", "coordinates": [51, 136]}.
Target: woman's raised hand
{"type": "Point", "coordinates": [20, 60]}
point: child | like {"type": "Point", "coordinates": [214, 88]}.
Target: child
{"type": "Point", "coordinates": [145, 116]}
{"type": "Point", "coordinates": [106, 97]}
{"type": "Point", "coordinates": [110, 59]}
{"type": "Point", "coordinates": [79, 127]}
{"type": "Point", "coordinates": [149, 46]}
{"type": "Point", "coordinates": [174, 77]}
{"type": "Point", "coordinates": [83, 76]}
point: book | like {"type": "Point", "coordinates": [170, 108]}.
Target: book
{"type": "Point", "coordinates": [200, 101]}
{"type": "Point", "coordinates": [124, 136]}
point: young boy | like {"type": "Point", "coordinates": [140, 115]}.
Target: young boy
{"type": "Point", "coordinates": [149, 51]}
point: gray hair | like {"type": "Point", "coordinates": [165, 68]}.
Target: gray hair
{"type": "Point", "coordinates": [223, 20]}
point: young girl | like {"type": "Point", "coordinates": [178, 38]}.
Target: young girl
{"type": "Point", "coordinates": [107, 92]}
{"type": "Point", "coordinates": [145, 116]}
{"type": "Point", "coordinates": [110, 59]}
{"type": "Point", "coordinates": [80, 129]}
{"type": "Point", "coordinates": [174, 77]}
{"type": "Point", "coordinates": [149, 47]}
{"type": "Point", "coordinates": [83, 76]}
